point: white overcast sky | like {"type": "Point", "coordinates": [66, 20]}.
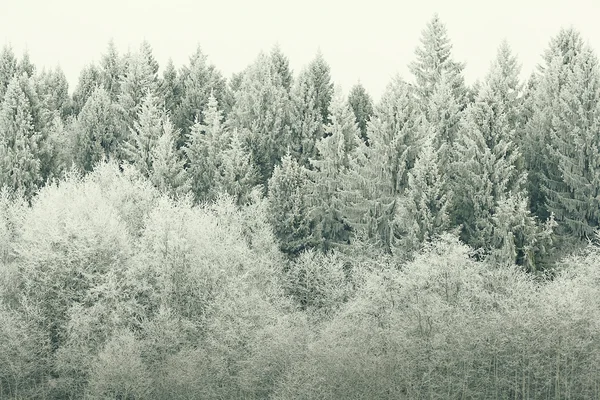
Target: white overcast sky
{"type": "Point", "coordinates": [370, 41]}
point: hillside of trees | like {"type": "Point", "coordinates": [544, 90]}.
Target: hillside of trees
{"type": "Point", "coordinates": [170, 233]}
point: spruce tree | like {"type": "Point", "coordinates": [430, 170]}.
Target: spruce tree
{"type": "Point", "coordinates": [262, 116]}
{"type": "Point", "coordinates": [330, 168]}
{"type": "Point", "coordinates": [197, 82]}
{"type": "Point", "coordinates": [111, 67]}
{"type": "Point", "coordinates": [362, 106]}
{"type": "Point", "coordinates": [434, 60]}
{"type": "Point", "coordinates": [170, 89]}
{"type": "Point", "coordinates": [8, 68]}
{"type": "Point", "coordinates": [25, 66]}
{"type": "Point", "coordinates": [281, 67]}
{"type": "Point", "coordinates": [563, 144]}
{"type": "Point", "coordinates": [19, 142]}
{"type": "Point", "coordinates": [168, 172]}
{"type": "Point", "coordinates": [380, 171]}
{"type": "Point", "coordinates": [147, 129]}
{"type": "Point", "coordinates": [288, 207]}
{"type": "Point", "coordinates": [138, 79]}
{"type": "Point", "coordinates": [53, 90]}
{"type": "Point", "coordinates": [89, 79]}
{"type": "Point", "coordinates": [101, 130]}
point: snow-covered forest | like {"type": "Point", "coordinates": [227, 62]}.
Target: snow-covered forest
{"type": "Point", "coordinates": [167, 232]}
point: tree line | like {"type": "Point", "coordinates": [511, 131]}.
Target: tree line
{"type": "Point", "coordinates": [178, 234]}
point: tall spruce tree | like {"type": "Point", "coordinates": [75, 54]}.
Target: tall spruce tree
{"type": "Point", "coordinates": [137, 80]}
{"type": "Point", "coordinates": [19, 142]}
{"type": "Point", "coordinates": [362, 106]}
{"type": "Point", "coordinates": [434, 60]}
{"type": "Point", "coordinates": [90, 78]}
{"type": "Point", "coordinates": [101, 130]}
{"type": "Point", "coordinates": [564, 147]}
{"type": "Point", "coordinates": [8, 68]}
{"type": "Point", "coordinates": [262, 115]}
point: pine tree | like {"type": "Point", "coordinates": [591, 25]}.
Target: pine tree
{"type": "Point", "coordinates": [89, 79]}
{"type": "Point", "coordinates": [147, 129]}
{"type": "Point", "coordinates": [379, 175]}
{"type": "Point", "coordinates": [311, 97]}
{"type": "Point", "coordinates": [53, 90]}
{"type": "Point", "coordinates": [168, 172]}
{"type": "Point", "coordinates": [19, 142]}
{"type": "Point", "coordinates": [434, 60]}
{"type": "Point", "coordinates": [362, 105]}
{"type": "Point", "coordinates": [101, 130]}
{"type": "Point", "coordinates": [262, 116]}
{"type": "Point", "coordinates": [330, 168]}
{"type": "Point", "coordinates": [423, 211]}
{"type": "Point", "coordinates": [237, 176]}
{"type": "Point", "coordinates": [139, 78]}
{"type": "Point", "coordinates": [111, 70]}
{"type": "Point", "coordinates": [281, 67]}
{"type": "Point", "coordinates": [8, 68]}
{"type": "Point", "coordinates": [197, 82]}
{"type": "Point", "coordinates": [490, 179]}
{"type": "Point", "coordinates": [204, 150]}
{"type": "Point", "coordinates": [563, 145]}
{"type": "Point", "coordinates": [169, 88]}
{"type": "Point", "coordinates": [288, 208]}
{"type": "Point", "coordinates": [25, 66]}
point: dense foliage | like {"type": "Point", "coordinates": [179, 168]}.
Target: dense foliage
{"type": "Point", "coordinates": [175, 234]}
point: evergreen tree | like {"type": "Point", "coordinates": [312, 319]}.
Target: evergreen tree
{"type": "Point", "coordinates": [148, 56]}
{"type": "Point", "coordinates": [168, 172]}
{"type": "Point", "coordinates": [8, 68]}
{"type": "Point", "coordinates": [490, 179]}
{"type": "Point", "coordinates": [423, 211]}
{"type": "Point", "coordinates": [262, 114]}
{"type": "Point", "coordinates": [288, 207]}
{"type": "Point", "coordinates": [362, 106]}
{"type": "Point", "coordinates": [101, 130]}
{"type": "Point", "coordinates": [19, 142]}
{"type": "Point", "coordinates": [25, 66]}
{"type": "Point", "coordinates": [147, 129]}
{"type": "Point", "coordinates": [379, 176]}
{"type": "Point", "coordinates": [197, 82]}
{"type": "Point", "coordinates": [434, 60]}
{"type": "Point", "coordinates": [89, 79]}
{"type": "Point", "coordinates": [169, 88]}
{"type": "Point", "coordinates": [237, 176]}
{"type": "Point", "coordinates": [204, 150]}
{"type": "Point", "coordinates": [53, 90]}
{"type": "Point", "coordinates": [281, 67]}
{"type": "Point", "coordinates": [564, 147]}
{"type": "Point", "coordinates": [139, 78]}
{"type": "Point", "coordinates": [311, 97]}
{"type": "Point", "coordinates": [329, 171]}
{"type": "Point", "coordinates": [111, 70]}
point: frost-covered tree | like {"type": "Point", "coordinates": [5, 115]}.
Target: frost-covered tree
{"type": "Point", "coordinates": [89, 79]}
{"type": "Point", "coordinates": [19, 142]}
{"type": "Point", "coordinates": [281, 67]}
{"type": "Point", "coordinates": [8, 68]}
{"type": "Point", "coordinates": [196, 82]}
{"type": "Point", "coordinates": [137, 80]}
{"type": "Point", "coordinates": [262, 115]}
{"type": "Point", "coordinates": [147, 129]}
{"type": "Point", "coordinates": [288, 206]}
{"type": "Point", "coordinates": [237, 176]}
{"type": "Point", "coordinates": [311, 97]}
{"type": "Point", "coordinates": [169, 88]}
{"type": "Point", "coordinates": [111, 67]}
{"type": "Point", "coordinates": [423, 211]}
{"type": "Point", "coordinates": [53, 91]}
{"type": "Point", "coordinates": [25, 66]}
{"type": "Point", "coordinates": [362, 105]}
{"type": "Point", "coordinates": [168, 172]}
{"type": "Point", "coordinates": [380, 175]}
{"type": "Point", "coordinates": [564, 147]}
{"type": "Point", "coordinates": [434, 60]}
{"type": "Point", "coordinates": [101, 130]}
{"type": "Point", "coordinates": [204, 148]}
{"type": "Point", "coordinates": [330, 168]}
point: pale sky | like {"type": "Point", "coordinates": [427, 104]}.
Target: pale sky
{"type": "Point", "coordinates": [370, 41]}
